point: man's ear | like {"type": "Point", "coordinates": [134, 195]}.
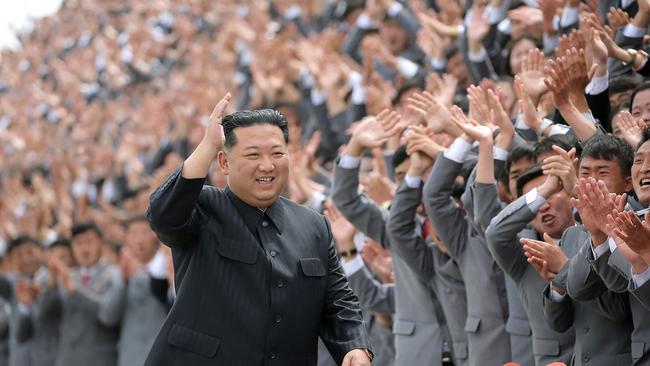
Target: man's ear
{"type": "Point", "coordinates": [628, 184]}
{"type": "Point", "coordinates": [223, 162]}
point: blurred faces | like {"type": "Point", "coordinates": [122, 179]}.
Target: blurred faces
{"type": "Point", "coordinates": [641, 105]}
{"type": "Point", "coordinates": [142, 241]}
{"type": "Point", "coordinates": [615, 99]}
{"type": "Point", "coordinates": [555, 215]}
{"type": "Point", "coordinates": [641, 173]}
{"type": "Point", "coordinates": [258, 165]}
{"type": "Point", "coordinates": [400, 171]}
{"type": "Point", "coordinates": [609, 171]}
{"type": "Point", "coordinates": [27, 258]}
{"type": "Point", "coordinates": [87, 248]}
{"type": "Point", "coordinates": [61, 253]}
{"type": "Point", "coordinates": [393, 36]}
{"type": "Point", "coordinates": [519, 50]}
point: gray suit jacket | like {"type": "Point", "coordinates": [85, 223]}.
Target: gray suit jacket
{"type": "Point", "coordinates": [602, 325]}
{"type": "Point", "coordinates": [417, 329]}
{"type": "Point", "coordinates": [142, 315]}
{"type": "Point", "coordinates": [503, 240]}
{"type": "Point", "coordinates": [486, 207]}
{"type": "Point", "coordinates": [614, 271]}
{"type": "Point", "coordinates": [34, 333]}
{"type": "Point", "coordinates": [487, 308]}
{"type": "Point", "coordinates": [431, 265]}
{"type": "Point", "coordinates": [90, 318]}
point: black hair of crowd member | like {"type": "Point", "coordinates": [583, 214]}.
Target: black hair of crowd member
{"type": "Point", "coordinates": [21, 240]}
{"type": "Point", "coordinates": [623, 83]}
{"type": "Point", "coordinates": [530, 174]}
{"type": "Point", "coordinates": [645, 137]}
{"type": "Point", "coordinates": [248, 118]}
{"type": "Point", "coordinates": [564, 141]}
{"type": "Point", "coordinates": [415, 82]}
{"type": "Point", "coordinates": [399, 156]}
{"type": "Point", "coordinates": [609, 147]}
{"type": "Point", "coordinates": [133, 219]}
{"type": "Point", "coordinates": [81, 228]}
{"type": "Point", "coordinates": [519, 152]}
{"type": "Point", "coordinates": [640, 88]}
{"type": "Point", "coordinates": [345, 8]}
{"type": "Point", "coordinates": [60, 242]}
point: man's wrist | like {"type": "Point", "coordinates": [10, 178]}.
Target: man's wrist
{"type": "Point", "coordinates": [354, 148]}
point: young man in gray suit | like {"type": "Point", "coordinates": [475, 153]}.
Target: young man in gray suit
{"type": "Point", "coordinates": [143, 302]}
{"type": "Point", "coordinates": [417, 329]}
{"type": "Point", "coordinates": [87, 295]}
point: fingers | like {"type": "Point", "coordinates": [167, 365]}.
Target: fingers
{"type": "Point", "coordinates": [221, 106]}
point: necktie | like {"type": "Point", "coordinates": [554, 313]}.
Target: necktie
{"type": "Point", "coordinates": [426, 228]}
{"type": "Point", "coordinates": [85, 279]}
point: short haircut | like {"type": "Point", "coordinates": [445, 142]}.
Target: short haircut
{"type": "Point", "coordinates": [622, 84]}
{"type": "Point", "coordinates": [60, 242]}
{"type": "Point", "coordinates": [533, 172]}
{"type": "Point", "coordinates": [399, 156]}
{"type": "Point", "coordinates": [519, 152]}
{"type": "Point", "coordinates": [609, 147]}
{"type": "Point", "coordinates": [81, 228]}
{"type": "Point", "coordinates": [21, 240]}
{"type": "Point", "coordinates": [250, 118]}
{"type": "Point", "coordinates": [563, 141]}
{"type": "Point", "coordinates": [645, 137]}
{"type": "Point", "coordinates": [640, 88]}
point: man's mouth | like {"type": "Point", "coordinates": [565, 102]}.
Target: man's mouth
{"type": "Point", "coordinates": [548, 219]}
{"type": "Point", "coordinates": [644, 182]}
{"type": "Point", "coordinates": [265, 180]}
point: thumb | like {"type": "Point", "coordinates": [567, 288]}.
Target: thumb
{"type": "Point", "coordinates": [592, 72]}
{"type": "Point", "coordinates": [347, 360]}
{"type": "Point", "coordinates": [549, 240]}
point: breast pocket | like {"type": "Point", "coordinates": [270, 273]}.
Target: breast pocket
{"type": "Point", "coordinates": [312, 267]}
{"type": "Point", "coordinates": [193, 341]}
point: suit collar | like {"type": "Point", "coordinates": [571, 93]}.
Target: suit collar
{"type": "Point", "coordinates": [253, 215]}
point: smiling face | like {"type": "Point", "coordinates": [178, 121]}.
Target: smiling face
{"type": "Point", "coordinates": [641, 105]}
{"type": "Point", "coordinates": [641, 173]}
{"type": "Point", "coordinates": [609, 171]}
{"type": "Point", "coordinates": [257, 166]}
{"type": "Point", "coordinates": [555, 214]}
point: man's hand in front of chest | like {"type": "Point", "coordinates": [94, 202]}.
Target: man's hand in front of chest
{"type": "Point", "coordinates": [356, 357]}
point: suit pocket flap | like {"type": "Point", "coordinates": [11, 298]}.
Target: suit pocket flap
{"type": "Point", "coordinates": [518, 326]}
{"type": "Point", "coordinates": [638, 350]}
{"type": "Point", "coordinates": [546, 347]}
{"type": "Point", "coordinates": [472, 324]}
{"type": "Point", "coordinates": [312, 267]}
{"type": "Point", "coordinates": [403, 327]}
{"type": "Point", "coordinates": [238, 251]}
{"type": "Point", "coordinates": [193, 341]}
{"type": "Point", "coordinates": [460, 350]}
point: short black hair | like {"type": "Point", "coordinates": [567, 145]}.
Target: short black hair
{"type": "Point", "coordinates": [533, 172]}
{"type": "Point", "coordinates": [248, 118]}
{"type": "Point", "coordinates": [640, 88]}
{"type": "Point", "coordinates": [645, 137]}
{"type": "Point", "coordinates": [610, 147]}
{"type": "Point", "coordinates": [522, 151]}
{"type": "Point", "coordinates": [415, 82]}
{"type": "Point", "coordinates": [60, 242]}
{"type": "Point", "coordinates": [564, 141]}
{"type": "Point", "coordinates": [21, 240]}
{"type": "Point", "coordinates": [399, 156]}
{"type": "Point", "coordinates": [621, 84]}
{"type": "Point", "coordinates": [81, 228]}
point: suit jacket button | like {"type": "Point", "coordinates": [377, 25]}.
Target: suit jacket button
{"type": "Point", "coordinates": [265, 223]}
{"type": "Point", "coordinates": [273, 253]}
{"type": "Point", "coordinates": [278, 319]}
{"type": "Point", "coordinates": [272, 356]}
{"type": "Point", "coordinates": [586, 359]}
{"type": "Point", "coordinates": [280, 283]}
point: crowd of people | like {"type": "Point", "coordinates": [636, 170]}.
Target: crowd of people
{"type": "Point", "coordinates": [484, 166]}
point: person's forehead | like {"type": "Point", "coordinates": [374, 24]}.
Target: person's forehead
{"type": "Point", "coordinates": [533, 183]}
{"type": "Point", "coordinates": [591, 162]}
{"type": "Point", "coordinates": [643, 150]}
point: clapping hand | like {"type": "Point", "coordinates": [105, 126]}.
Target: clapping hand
{"type": "Point", "coordinates": [545, 256]}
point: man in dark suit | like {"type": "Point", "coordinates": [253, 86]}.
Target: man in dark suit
{"type": "Point", "coordinates": [257, 276]}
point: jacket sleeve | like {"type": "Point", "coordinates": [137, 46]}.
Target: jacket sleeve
{"type": "Point", "coordinates": [583, 283]}
{"type": "Point", "coordinates": [603, 266]}
{"type": "Point", "coordinates": [342, 327]}
{"type": "Point", "coordinates": [364, 214]}
{"type": "Point", "coordinates": [373, 295]}
{"type": "Point", "coordinates": [445, 215]}
{"type": "Point", "coordinates": [502, 237]}
{"type": "Point", "coordinates": [407, 244]}
{"type": "Point", "coordinates": [173, 210]}
{"type": "Point", "coordinates": [642, 294]}
{"type": "Point", "coordinates": [105, 306]}
{"type": "Point", "coordinates": [558, 314]}
{"type": "Point", "coordinates": [24, 325]}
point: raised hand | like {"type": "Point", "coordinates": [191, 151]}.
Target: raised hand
{"type": "Point", "coordinates": [433, 111]}
{"type": "Point", "coordinates": [528, 110]}
{"type": "Point", "coordinates": [562, 165]}
{"type": "Point", "coordinates": [630, 128]}
{"type": "Point", "coordinates": [342, 230]}
{"type": "Point", "coordinates": [633, 231]}
{"type": "Point", "coordinates": [470, 127]}
{"type": "Point", "coordinates": [502, 120]}
{"type": "Point", "coordinates": [417, 140]}
{"type": "Point", "coordinates": [378, 260]}
{"type": "Point", "coordinates": [593, 202]}
{"type": "Point", "coordinates": [557, 81]}
{"type": "Point", "coordinates": [375, 131]}
{"type": "Point", "coordinates": [639, 264]}
{"type": "Point", "coordinates": [532, 75]}
{"type": "Point", "coordinates": [617, 18]}
{"type": "Point", "coordinates": [547, 251]}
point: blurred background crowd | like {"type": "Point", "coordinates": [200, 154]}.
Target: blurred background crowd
{"type": "Point", "coordinates": [104, 99]}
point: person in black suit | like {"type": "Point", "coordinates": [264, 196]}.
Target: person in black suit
{"type": "Point", "coordinates": [257, 276]}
